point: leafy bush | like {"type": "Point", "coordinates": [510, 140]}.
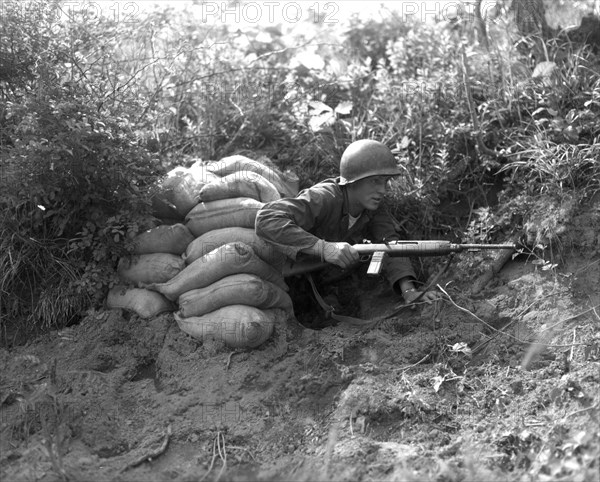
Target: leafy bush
{"type": "Point", "coordinates": [74, 181]}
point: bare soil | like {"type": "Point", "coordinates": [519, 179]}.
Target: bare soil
{"type": "Point", "coordinates": [501, 385]}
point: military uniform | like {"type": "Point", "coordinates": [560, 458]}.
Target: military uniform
{"type": "Point", "coordinates": [321, 212]}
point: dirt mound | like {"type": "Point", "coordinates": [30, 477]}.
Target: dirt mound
{"type": "Point", "coordinates": [488, 387]}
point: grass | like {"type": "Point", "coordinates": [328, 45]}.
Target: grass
{"type": "Point", "coordinates": [36, 286]}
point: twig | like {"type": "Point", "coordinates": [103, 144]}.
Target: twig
{"type": "Point", "coordinates": [466, 311]}
{"type": "Point", "coordinates": [229, 360]}
{"type": "Point", "coordinates": [377, 321]}
{"type": "Point", "coordinates": [235, 447]}
{"type": "Point", "coordinates": [153, 454]}
{"type": "Point", "coordinates": [212, 462]}
{"type": "Point", "coordinates": [437, 277]}
{"type": "Point", "coordinates": [573, 347]}
{"type": "Point", "coordinates": [508, 325]}
{"type": "Point", "coordinates": [593, 308]}
{"type": "Point", "coordinates": [122, 86]}
{"type": "Point", "coordinates": [237, 134]}
{"type": "Point", "coordinates": [526, 309]}
{"type": "Point", "coordinates": [586, 266]}
{"type": "Point", "coordinates": [512, 336]}
{"type": "Point", "coordinates": [222, 455]}
{"type": "Point", "coordinates": [414, 364]}
{"type": "Point", "coordinates": [230, 356]}
{"type": "Point", "coordinates": [577, 412]}
{"type": "Point", "coordinates": [283, 50]}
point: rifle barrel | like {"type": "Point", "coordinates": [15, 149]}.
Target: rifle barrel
{"type": "Point", "coordinates": [425, 248]}
{"type": "Point", "coordinates": [488, 246]}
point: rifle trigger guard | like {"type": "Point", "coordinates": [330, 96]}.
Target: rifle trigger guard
{"type": "Point", "coordinates": [364, 258]}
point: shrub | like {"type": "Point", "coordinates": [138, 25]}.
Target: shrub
{"type": "Point", "coordinates": [74, 182]}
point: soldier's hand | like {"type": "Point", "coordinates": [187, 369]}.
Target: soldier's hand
{"type": "Point", "coordinates": [340, 254]}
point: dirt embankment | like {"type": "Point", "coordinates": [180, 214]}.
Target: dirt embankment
{"type": "Point", "coordinates": [455, 391]}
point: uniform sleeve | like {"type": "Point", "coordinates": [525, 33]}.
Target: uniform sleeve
{"type": "Point", "coordinates": [286, 223]}
{"type": "Point", "coordinates": [382, 228]}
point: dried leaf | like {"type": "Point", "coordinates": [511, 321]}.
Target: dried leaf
{"type": "Point", "coordinates": [461, 347]}
{"type": "Point", "coordinates": [437, 382]}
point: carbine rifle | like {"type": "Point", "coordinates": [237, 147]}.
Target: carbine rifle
{"type": "Point", "coordinates": [376, 252]}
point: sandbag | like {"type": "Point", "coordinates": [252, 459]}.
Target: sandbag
{"type": "Point", "coordinates": [231, 164]}
{"type": "Point", "coordinates": [144, 302]}
{"type": "Point", "coordinates": [218, 237]}
{"type": "Point", "coordinates": [234, 258]}
{"type": "Point", "coordinates": [237, 289]}
{"type": "Point", "coordinates": [143, 269]}
{"type": "Point", "coordinates": [163, 209]}
{"type": "Point", "coordinates": [240, 184]}
{"type": "Point", "coordinates": [171, 221]}
{"type": "Point", "coordinates": [224, 213]}
{"type": "Point", "coordinates": [166, 191]}
{"type": "Point", "coordinates": [200, 172]}
{"type": "Point", "coordinates": [163, 239]}
{"type": "Point", "coordinates": [181, 188]}
{"type": "Point", "coordinates": [239, 326]}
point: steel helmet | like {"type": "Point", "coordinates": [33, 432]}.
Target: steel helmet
{"type": "Point", "coordinates": [366, 158]}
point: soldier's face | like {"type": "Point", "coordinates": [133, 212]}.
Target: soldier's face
{"type": "Point", "coordinates": [368, 193]}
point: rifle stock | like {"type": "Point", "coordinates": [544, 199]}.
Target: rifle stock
{"type": "Point", "coordinates": [376, 252]}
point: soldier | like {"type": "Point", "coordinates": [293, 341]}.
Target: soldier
{"type": "Point", "coordinates": [327, 218]}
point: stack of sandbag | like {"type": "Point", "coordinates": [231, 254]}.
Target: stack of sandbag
{"type": "Point", "coordinates": [229, 294]}
{"type": "Point", "coordinates": [223, 213]}
{"type": "Point", "coordinates": [216, 238]}
{"type": "Point", "coordinates": [179, 191]}
{"type": "Point", "coordinates": [285, 183]}
{"type": "Point", "coordinates": [156, 258]}
{"type": "Point", "coordinates": [224, 280]}
{"type": "Point", "coordinates": [232, 288]}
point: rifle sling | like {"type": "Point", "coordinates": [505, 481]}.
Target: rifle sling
{"type": "Point", "coordinates": [351, 320]}
{"type": "Point", "coordinates": [372, 323]}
